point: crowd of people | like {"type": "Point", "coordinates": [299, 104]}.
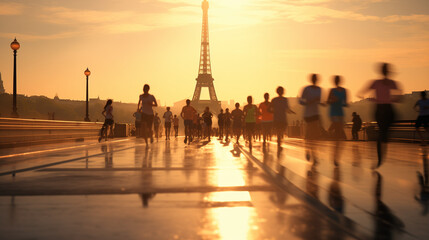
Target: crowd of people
{"type": "Point", "coordinates": [270, 117]}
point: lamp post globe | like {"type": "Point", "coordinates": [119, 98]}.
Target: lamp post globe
{"type": "Point", "coordinates": [87, 73]}
{"type": "Point", "coordinates": [15, 46]}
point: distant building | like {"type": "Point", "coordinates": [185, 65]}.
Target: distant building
{"type": "Point", "coordinates": [1, 86]}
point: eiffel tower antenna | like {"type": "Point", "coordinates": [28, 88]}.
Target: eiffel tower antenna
{"type": "Point", "coordinates": [205, 78]}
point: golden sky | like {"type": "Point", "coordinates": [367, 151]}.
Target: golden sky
{"type": "Point", "coordinates": [256, 45]}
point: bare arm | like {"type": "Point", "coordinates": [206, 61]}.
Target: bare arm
{"type": "Point", "coordinates": [154, 103]}
{"type": "Point", "coordinates": [138, 104]}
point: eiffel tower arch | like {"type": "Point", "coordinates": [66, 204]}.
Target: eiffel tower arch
{"type": "Point", "coordinates": [205, 79]}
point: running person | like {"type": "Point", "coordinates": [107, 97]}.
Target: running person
{"type": "Point", "coordinates": [279, 107]}
{"type": "Point", "coordinates": [227, 124]}
{"type": "Point", "coordinates": [176, 126]}
{"type": "Point", "coordinates": [188, 113]}
{"type": "Point", "coordinates": [266, 116]}
{"type": "Point", "coordinates": [220, 123]}
{"type": "Point", "coordinates": [384, 114]}
{"type": "Point", "coordinates": [146, 102]}
{"type": "Point", "coordinates": [108, 121]}
{"type": "Point", "coordinates": [250, 115]}
{"type": "Point", "coordinates": [237, 121]}
{"type": "Point", "coordinates": [207, 117]}
{"type": "Point", "coordinates": [310, 98]}
{"type": "Point", "coordinates": [423, 118]}
{"type": "Point", "coordinates": [168, 115]}
{"type": "Point", "coordinates": [337, 99]}
{"type": "Point", "coordinates": [156, 123]}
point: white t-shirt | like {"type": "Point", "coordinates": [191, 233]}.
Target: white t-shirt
{"type": "Point", "coordinates": [167, 116]}
{"type": "Point", "coordinates": [310, 98]}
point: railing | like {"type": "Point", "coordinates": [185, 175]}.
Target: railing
{"type": "Point", "coordinates": [23, 132]}
{"type": "Point", "coordinates": [403, 130]}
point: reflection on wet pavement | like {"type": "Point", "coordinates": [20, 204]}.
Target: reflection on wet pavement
{"type": "Point", "coordinates": [382, 203]}
{"type": "Point", "coordinates": [123, 190]}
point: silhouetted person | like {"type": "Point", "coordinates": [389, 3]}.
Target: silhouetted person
{"type": "Point", "coordinates": [145, 104]}
{"type": "Point", "coordinates": [138, 122]}
{"type": "Point", "coordinates": [250, 115]}
{"type": "Point", "coordinates": [156, 123]}
{"type": "Point", "coordinates": [337, 99]}
{"type": "Point", "coordinates": [227, 124]}
{"type": "Point", "coordinates": [266, 117]}
{"type": "Point", "coordinates": [176, 126]}
{"type": "Point", "coordinates": [357, 126]}
{"type": "Point", "coordinates": [310, 98]}
{"type": "Point", "coordinates": [168, 116]}
{"type": "Point", "coordinates": [108, 121]}
{"type": "Point", "coordinates": [207, 117]}
{"type": "Point", "coordinates": [188, 113]}
{"type": "Point", "coordinates": [221, 123]}
{"type": "Point", "coordinates": [423, 119]}
{"type": "Point", "coordinates": [237, 121]}
{"type": "Point", "coordinates": [384, 114]}
{"type": "Point", "coordinates": [279, 107]}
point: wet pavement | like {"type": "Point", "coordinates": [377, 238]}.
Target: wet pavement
{"type": "Point", "coordinates": [122, 189]}
{"type": "Point", "coordinates": [388, 203]}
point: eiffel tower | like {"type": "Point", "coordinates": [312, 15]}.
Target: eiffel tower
{"type": "Point", "coordinates": [205, 79]}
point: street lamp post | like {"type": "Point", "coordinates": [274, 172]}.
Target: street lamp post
{"type": "Point", "coordinates": [87, 73]}
{"type": "Point", "coordinates": [15, 46]}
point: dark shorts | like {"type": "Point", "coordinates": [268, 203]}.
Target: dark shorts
{"type": "Point", "coordinates": [237, 125]}
{"type": "Point", "coordinates": [422, 121]}
{"type": "Point", "coordinates": [208, 122]}
{"type": "Point", "coordinates": [108, 122]}
{"type": "Point", "coordinates": [188, 123]}
{"type": "Point", "coordinates": [167, 124]}
{"type": "Point", "coordinates": [250, 127]}
{"type": "Point", "coordinates": [280, 126]}
{"type": "Point", "coordinates": [312, 118]}
{"type": "Point", "coordinates": [147, 119]}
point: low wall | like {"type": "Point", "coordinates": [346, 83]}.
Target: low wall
{"type": "Point", "coordinates": [23, 132]}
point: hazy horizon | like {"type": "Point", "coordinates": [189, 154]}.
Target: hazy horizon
{"type": "Point", "coordinates": [256, 45]}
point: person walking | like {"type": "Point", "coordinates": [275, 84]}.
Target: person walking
{"type": "Point", "coordinates": [138, 123]}
{"type": "Point", "coordinates": [188, 114]}
{"type": "Point", "coordinates": [357, 126]}
{"type": "Point", "coordinates": [279, 107]}
{"type": "Point", "coordinates": [237, 121]}
{"type": "Point", "coordinates": [176, 126]}
{"type": "Point", "coordinates": [145, 104]}
{"type": "Point", "coordinates": [108, 121]}
{"type": "Point", "coordinates": [207, 117]}
{"type": "Point", "coordinates": [266, 117]}
{"type": "Point", "coordinates": [168, 115]}
{"type": "Point", "coordinates": [422, 106]}
{"type": "Point", "coordinates": [250, 115]}
{"type": "Point", "coordinates": [386, 93]}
